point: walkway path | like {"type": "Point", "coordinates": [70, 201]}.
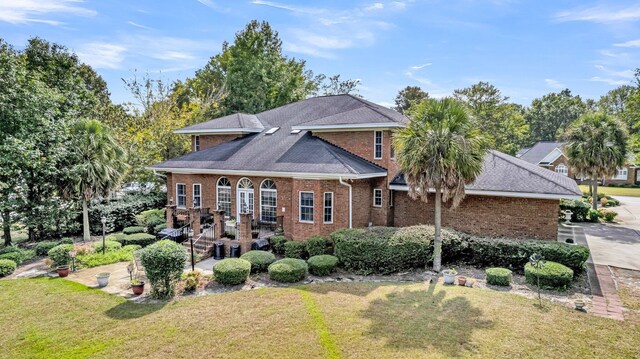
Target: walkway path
{"type": "Point", "coordinates": [606, 302]}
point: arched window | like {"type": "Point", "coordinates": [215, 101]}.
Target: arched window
{"type": "Point", "coordinates": [268, 201]}
{"type": "Point", "coordinates": [224, 195]}
{"type": "Point", "coordinates": [562, 169]}
{"type": "Point", "coordinates": [245, 197]}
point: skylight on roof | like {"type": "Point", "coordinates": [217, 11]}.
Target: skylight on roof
{"type": "Point", "coordinates": [294, 132]}
{"type": "Point", "coordinates": [272, 130]}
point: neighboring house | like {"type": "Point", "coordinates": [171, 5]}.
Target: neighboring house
{"type": "Point", "coordinates": [550, 155]}
{"type": "Point", "coordinates": [327, 163]}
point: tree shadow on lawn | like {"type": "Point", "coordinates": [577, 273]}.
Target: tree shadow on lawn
{"type": "Point", "coordinates": [360, 289]}
{"type": "Point", "coordinates": [130, 310]}
{"type": "Point", "coordinates": [425, 320]}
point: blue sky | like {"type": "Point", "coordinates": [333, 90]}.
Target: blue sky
{"type": "Point", "coordinates": [525, 48]}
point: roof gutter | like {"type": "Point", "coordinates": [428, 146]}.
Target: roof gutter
{"type": "Point", "coordinates": [347, 127]}
{"type": "Point", "coordinates": [503, 193]}
{"type": "Point", "coordinates": [350, 201]}
{"type": "Point", "coordinates": [229, 131]}
{"type": "Point", "coordinates": [303, 175]}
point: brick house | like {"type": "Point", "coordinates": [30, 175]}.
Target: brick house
{"type": "Point", "coordinates": [550, 155]}
{"type": "Point", "coordinates": [326, 163]}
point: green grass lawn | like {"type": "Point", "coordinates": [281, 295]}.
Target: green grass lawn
{"type": "Point", "coordinates": [614, 191]}
{"type": "Point", "coordinates": [56, 318]}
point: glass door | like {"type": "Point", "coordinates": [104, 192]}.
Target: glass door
{"type": "Point", "coordinates": [245, 202]}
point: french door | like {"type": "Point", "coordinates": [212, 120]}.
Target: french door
{"type": "Point", "coordinates": [245, 202]}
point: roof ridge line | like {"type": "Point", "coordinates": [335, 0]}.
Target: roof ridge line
{"type": "Point", "coordinates": [372, 108]}
{"type": "Point", "coordinates": [494, 153]}
{"type": "Point", "coordinates": [342, 149]}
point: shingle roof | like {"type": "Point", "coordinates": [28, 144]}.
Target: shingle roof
{"type": "Point", "coordinates": [539, 151]}
{"type": "Point", "coordinates": [235, 121]}
{"type": "Point", "coordinates": [504, 173]}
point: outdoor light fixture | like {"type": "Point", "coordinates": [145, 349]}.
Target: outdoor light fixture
{"type": "Point", "coordinates": [104, 222]}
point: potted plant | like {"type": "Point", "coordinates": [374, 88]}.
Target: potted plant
{"type": "Point", "coordinates": [462, 280]}
{"type": "Point", "coordinates": [103, 279]}
{"type": "Point", "coordinates": [137, 286]}
{"type": "Point", "coordinates": [449, 276]}
{"type": "Point", "coordinates": [579, 303]}
{"type": "Point", "coordinates": [63, 271]}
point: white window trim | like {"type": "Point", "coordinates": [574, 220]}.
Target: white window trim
{"type": "Point", "coordinates": [193, 195]}
{"type": "Point", "coordinates": [185, 195]}
{"type": "Point", "coordinates": [196, 143]}
{"type": "Point", "coordinates": [324, 207]}
{"type": "Point", "coordinates": [623, 176]}
{"type": "Point", "coordinates": [218, 187]}
{"type": "Point", "coordinates": [300, 206]}
{"type": "Point", "coordinates": [275, 191]}
{"type": "Point", "coordinates": [565, 172]}
{"type": "Point", "coordinates": [375, 145]}
{"type": "Point", "coordinates": [374, 197]}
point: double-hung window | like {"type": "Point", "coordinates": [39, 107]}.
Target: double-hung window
{"type": "Point", "coordinates": [196, 143]}
{"type": "Point", "coordinates": [224, 195]}
{"type": "Point", "coordinates": [181, 195]}
{"type": "Point", "coordinates": [306, 207]}
{"type": "Point", "coordinates": [328, 208]}
{"type": "Point", "coordinates": [377, 197]}
{"type": "Point", "coordinates": [197, 195]}
{"type": "Point", "coordinates": [621, 174]}
{"type": "Point", "coordinates": [377, 145]}
{"type": "Point", "coordinates": [562, 169]}
{"type": "Point", "coordinates": [268, 201]}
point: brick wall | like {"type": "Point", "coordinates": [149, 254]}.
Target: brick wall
{"type": "Point", "coordinates": [561, 160]}
{"type": "Point", "coordinates": [485, 215]}
{"type": "Point", "coordinates": [361, 143]}
{"type": "Point", "coordinates": [208, 141]}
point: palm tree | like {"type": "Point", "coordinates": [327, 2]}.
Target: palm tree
{"type": "Point", "coordinates": [98, 167]}
{"type": "Point", "coordinates": [596, 147]}
{"type": "Point", "coordinates": [439, 151]}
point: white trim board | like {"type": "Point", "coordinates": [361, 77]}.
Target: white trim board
{"type": "Point", "coordinates": [219, 131]}
{"type": "Point", "coordinates": [349, 127]}
{"type": "Point", "coordinates": [301, 175]}
{"type": "Point", "coordinates": [501, 193]}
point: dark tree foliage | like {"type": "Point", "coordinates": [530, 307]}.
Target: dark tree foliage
{"type": "Point", "coordinates": [408, 97]}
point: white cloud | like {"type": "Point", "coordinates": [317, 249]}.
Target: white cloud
{"type": "Point", "coordinates": [375, 6]}
{"type": "Point", "coordinates": [102, 55]}
{"type": "Point", "coordinates": [609, 81]}
{"type": "Point", "coordinates": [600, 14]}
{"type": "Point", "coordinates": [138, 25]}
{"type": "Point", "coordinates": [555, 84]}
{"type": "Point", "coordinates": [418, 67]}
{"type": "Point", "coordinates": [398, 5]}
{"type": "Point", "coordinates": [34, 11]}
{"type": "Point", "coordinates": [631, 43]}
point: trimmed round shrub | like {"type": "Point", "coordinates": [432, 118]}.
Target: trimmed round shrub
{"type": "Point", "coordinates": [260, 260]}
{"type": "Point", "coordinates": [131, 247]}
{"type": "Point", "coordinates": [552, 275]}
{"type": "Point", "coordinates": [498, 276]}
{"type": "Point", "coordinates": [14, 256]}
{"type": "Point", "coordinates": [44, 247]}
{"type": "Point", "coordinates": [232, 271]}
{"type": "Point", "coordinates": [288, 270]}
{"type": "Point", "coordinates": [295, 249]}
{"type": "Point", "coordinates": [133, 230]}
{"type": "Point", "coordinates": [111, 246]}
{"type": "Point", "coordinates": [163, 264]}
{"type": "Point", "coordinates": [150, 219]}
{"type": "Point", "coordinates": [322, 265]}
{"type": "Point", "coordinates": [141, 239]}
{"type": "Point", "coordinates": [277, 244]}
{"type": "Point", "coordinates": [60, 254]}
{"type": "Point", "coordinates": [7, 267]}
{"type": "Point", "coordinates": [317, 245]}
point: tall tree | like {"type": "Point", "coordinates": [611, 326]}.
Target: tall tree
{"type": "Point", "coordinates": [408, 97]}
{"type": "Point", "coordinates": [98, 165]}
{"type": "Point", "coordinates": [596, 147]}
{"type": "Point", "coordinates": [333, 86]}
{"type": "Point", "coordinates": [501, 123]}
{"type": "Point", "coordinates": [439, 149]}
{"type": "Point", "coordinates": [549, 116]}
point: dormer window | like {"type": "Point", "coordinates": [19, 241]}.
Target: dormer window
{"type": "Point", "coordinates": [377, 145]}
{"type": "Point", "coordinates": [196, 143]}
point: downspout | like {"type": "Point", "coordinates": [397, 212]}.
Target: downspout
{"type": "Point", "coordinates": [350, 201]}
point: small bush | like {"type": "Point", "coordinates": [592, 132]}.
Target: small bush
{"type": "Point", "coordinates": [163, 264]}
{"type": "Point", "coordinates": [277, 244]}
{"type": "Point", "coordinates": [288, 270]}
{"type": "Point", "coordinates": [43, 247]}
{"type": "Point", "coordinates": [322, 265]}
{"type": "Point", "coordinates": [98, 259]}
{"type": "Point", "coordinates": [608, 215]}
{"type": "Point", "coordinates": [109, 245]}
{"type": "Point", "coordinates": [159, 228]}
{"type": "Point", "coordinates": [192, 280]}
{"type": "Point", "coordinates": [131, 247]}
{"type": "Point", "coordinates": [150, 219]}
{"type": "Point", "coordinates": [295, 249]}
{"type": "Point", "coordinates": [578, 207]}
{"type": "Point", "coordinates": [59, 254]}
{"type": "Point", "coordinates": [14, 256]}
{"type": "Point", "coordinates": [232, 271]}
{"type": "Point", "coordinates": [552, 275]}
{"type": "Point", "coordinates": [498, 276]}
{"type": "Point", "coordinates": [317, 245]}
{"type": "Point", "coordinates": [9, 249]}
{"type": "Point", "coordinates": [141, 239]}
{"type": "Point", "coordinates": [260, 260]}
{"type": "Point", "coordinates": [593, 215]}
{"type": "Point", "coordinates": [7, 267]}
{"type": "Point", "coordinates": [133, 230]}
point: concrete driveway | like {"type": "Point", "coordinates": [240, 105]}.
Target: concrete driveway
{"type": "Point", "coordinates": [617, 244]}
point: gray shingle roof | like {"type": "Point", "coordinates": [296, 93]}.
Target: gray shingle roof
{"type": "Point", "coordinates": [539, 151]}
{"type": "Point", "coordinates": [504, 173]}
{"type": "Point", "coordinates": [236, 121]}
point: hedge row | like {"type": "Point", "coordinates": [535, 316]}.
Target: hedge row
{"type": "Point", "coordinates": [141, 239]}
{"type": "Point", "coordinates": [122, 213]}
{"type": "Point", "coordinates": [44, 247]}
{"type": "Point", "coordinates": [551, 275]}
